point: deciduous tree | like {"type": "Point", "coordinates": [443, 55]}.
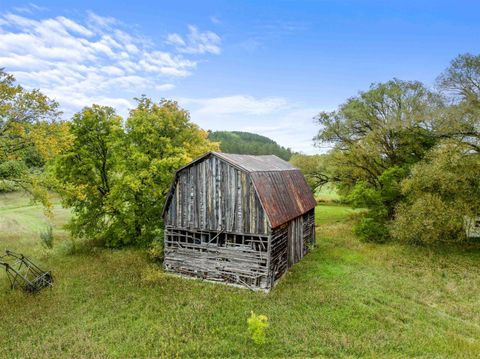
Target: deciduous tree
{"type": "Point", "coordinates": [116, 175]}
{"type": "Point", "coordinates": [314, 167]}
{"type": "Point", "coordinates": [88, 172]}
{"type": "Point", "coordinates": [377, 136]}
{"type": "Point", "coordinates": [30, 134]}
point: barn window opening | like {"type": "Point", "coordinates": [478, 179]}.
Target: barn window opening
{"type": "Point", "coordinates": [199, 239]}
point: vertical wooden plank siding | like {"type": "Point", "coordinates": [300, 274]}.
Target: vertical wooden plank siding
{"type": "Point", "coordinates": [214, 195]}
{"type": "Point", "coordinates": [290, 242]}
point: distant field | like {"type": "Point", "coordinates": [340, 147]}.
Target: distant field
{"type": "Point", "coordinates": [345, 299]}
{"type": "Point", "coordinates": [327, 193]}
{"type": "Point", "coordinates": [21, 221]}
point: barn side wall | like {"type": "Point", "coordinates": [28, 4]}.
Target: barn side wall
{"type": "Point", "coordinates": [214, 195]}
{"type": "Point", "coordinates": [290, 242]}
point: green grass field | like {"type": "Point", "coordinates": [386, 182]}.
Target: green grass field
{"type": "Point", "coordinates": [345, 299]}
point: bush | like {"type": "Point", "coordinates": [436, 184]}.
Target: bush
{"type": "Point", "coordinates": [7, 186]}
{"type": "Point", "coordinates": [371, 230]}
{"type": "Point", "coordinates": [380, 201]}
{"type": "Point", "coordinates": [428, 220]}
{"type": "Point", "coordinates": [441, 191]}
{"type": "Point", "coordinates": [257, 325]}
{"type": "Point", "coordinates": [46, 237]}
{"type": "Point", "coordinates": [156, 250]}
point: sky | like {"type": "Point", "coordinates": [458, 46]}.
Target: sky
{"type": "Point", "coordinates": [260, 66]}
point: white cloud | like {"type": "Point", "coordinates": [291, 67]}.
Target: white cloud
{"type": "Point", "coordinates": [29, 8]}
{"type": "Point", "coordinates": [196, 42]}
{"type": "Point", "coordinates": [289, 124]}
{"type": "Point", "coordinates": [238, 104]}
{"type": "Point", "coordinates": [94, 59]}
{"type": "Point", "coordinates": [101, 21]}
{"type": "Point", "coordinates": [164, 87]}
{"type": "Point", "coordinates": [72, 25]}
{"type": "Point", "coordinates": [175, 39]}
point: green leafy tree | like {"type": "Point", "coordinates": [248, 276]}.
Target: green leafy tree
{"type": "Point", "coordinates": [441, 192]}
{"type": "Point", "coordinates": [314, 167]}
{"type": "Point", "coordinates": [159, 139]}
{"type": "Point", "coordinates": [30, 135]}
{"type": "Point", "coordinates": [444, 189]}
{"type": "Point", "coordinates": [376, 137]}
{"type": "Point", "coordinates": [88, 172]}
{"type": "Point", "coordinates": [461, 83]}
{"type": "Point", "coordinates": [115, 176]}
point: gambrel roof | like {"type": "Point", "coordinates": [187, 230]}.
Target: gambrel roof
{"type": "Point", "coordinates": [281, 187]}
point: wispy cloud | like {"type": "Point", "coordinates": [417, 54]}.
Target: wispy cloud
{"type": "Point", "coordinates": [215, 20]}
{"type": "Point", "coordinates": [94, 59]}
{"type": "Point", "coordinates": [196, 41]}
{"type": "Point", "coordinates": [30, 8]}
{"type": "Point", "coordinates": [237, 104]}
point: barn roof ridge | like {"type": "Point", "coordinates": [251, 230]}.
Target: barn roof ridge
{"type": "Point", "coordinates": [256, 163]}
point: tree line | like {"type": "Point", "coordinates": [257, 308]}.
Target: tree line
{"type": "Point", "coordinates": [249, 144]}
{"type": "Point", "coordinates": [406, 153]}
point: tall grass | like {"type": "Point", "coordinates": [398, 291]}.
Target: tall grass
{"type": "Point", "coordinates": [345, 299]}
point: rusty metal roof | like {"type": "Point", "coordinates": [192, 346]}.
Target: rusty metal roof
{"type": "Point", "coordinates": [284, 195]}
{"type": "Point", "coordinates": [281, 187]}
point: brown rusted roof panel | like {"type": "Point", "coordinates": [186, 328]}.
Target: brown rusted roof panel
{"type": "Point", "coordinates": [285, 195]}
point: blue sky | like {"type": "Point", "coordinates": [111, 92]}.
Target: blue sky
{"type": "Point", "coordinates": [260, 66]}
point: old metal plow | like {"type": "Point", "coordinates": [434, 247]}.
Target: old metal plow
{"type": "Point", "coordinates": [23, 273]}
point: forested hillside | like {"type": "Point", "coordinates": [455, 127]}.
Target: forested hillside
{"type": "Point", "coordinates": [248, 144]}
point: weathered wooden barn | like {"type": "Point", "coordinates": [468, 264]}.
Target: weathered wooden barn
{"type": "Point", "coordinates": [238, 219]}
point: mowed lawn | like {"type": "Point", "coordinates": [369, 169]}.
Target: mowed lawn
{"type": "Point", "coordinates": [346, 298]}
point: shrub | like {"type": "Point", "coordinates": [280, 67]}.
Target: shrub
{"type": "Point", "coordinates": [156, 250]}
{"type": "Point", "coordinates": [441, 191]}
{"type": "Point", "coordinates": [428, 219]}
{"type": "Point", "coordinates": [7, 186]}
{"type": "Point", "coordinates": [257, 325]}
{"type": "Point", "coordinates": [371, 230]}
{"type": "Point", "coordinates": [380, 201]}
{"type": "Point", "coordinates": [46, 237]}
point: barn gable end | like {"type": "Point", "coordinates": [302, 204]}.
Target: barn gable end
{"type": "Point", "coordinates": [212, 194]}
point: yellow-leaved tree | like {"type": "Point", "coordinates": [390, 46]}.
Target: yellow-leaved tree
{"type": "Point", "coordinates": [31, 134]}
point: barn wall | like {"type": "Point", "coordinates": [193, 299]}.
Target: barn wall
{"type": "Point", "coordinates": [214, 195]}
{"type": "Point", "coordinates": [290, 242]}
{"type": "Point", "coordinates": [218, 256]}
{"type": "Point", "coordinates": [301, 234]}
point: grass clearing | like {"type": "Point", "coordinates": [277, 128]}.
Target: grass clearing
{"type": "Point", "coordinates": [327, 193]}
{"type": "Point", "coordinates": [346, 298]}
